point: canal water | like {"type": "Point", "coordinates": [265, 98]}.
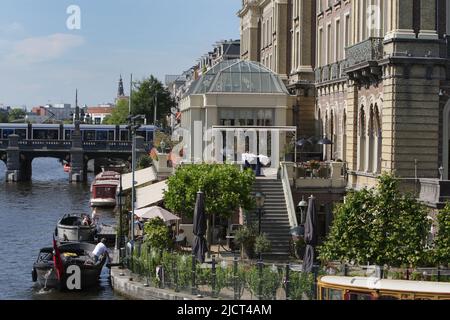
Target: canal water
{"type": "Point", "coordinates": [28, 216]}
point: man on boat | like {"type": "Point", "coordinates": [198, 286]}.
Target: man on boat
{"type": "Point", "coordinates": [100, 250]}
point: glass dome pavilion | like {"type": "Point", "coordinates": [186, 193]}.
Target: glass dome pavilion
{"type": "Point", "coordinates": [238, 76]}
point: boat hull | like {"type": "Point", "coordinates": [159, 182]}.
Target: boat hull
{"type": "Point", "coordinates": [105, 203]}
{"type": "Point", "coordinates": [90, 273]}
{"type": "Point", "coordinates": [70, 229]}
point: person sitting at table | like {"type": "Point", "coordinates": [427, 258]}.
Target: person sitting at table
{"type": "Point", "coordinates": [180, 239]}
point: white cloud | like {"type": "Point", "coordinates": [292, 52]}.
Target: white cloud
{"type": "Point", "coordinates": [43, 49]}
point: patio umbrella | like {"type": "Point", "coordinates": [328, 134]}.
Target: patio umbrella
{"type": "Point", "coordinates": [303, 142]}
{"type": "Point", "coordinates": [265, 160]}
{"type": "Point", "coordinates": [310, 236]}
{"type": "Point", "coordinates": [249, 157]}
{"type": "Point", "coordinates": [156, 212]}
{"type": "Point", "coordinates": [200, 246]}
{"type": "Point", "coordinates": [325, 142]}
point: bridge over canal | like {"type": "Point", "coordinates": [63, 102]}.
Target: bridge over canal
{"type": "Point", "coordinates": [18, 154]}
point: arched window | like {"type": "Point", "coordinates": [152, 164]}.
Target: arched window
{"type": "Point", "coordinates": [344, 137]}
{"type": "Point", "coordinates": [361, 140]}
{"type": "Point", "coordinates": [377, 148]}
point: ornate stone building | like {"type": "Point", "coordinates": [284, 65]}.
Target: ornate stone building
{"type": "Point", "coordinates": [280, 35]}
{"type": "Point", "coordinates": [381, 78]}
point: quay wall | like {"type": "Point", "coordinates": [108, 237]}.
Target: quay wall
{"type": "Point", "coordinates": [137, 291]}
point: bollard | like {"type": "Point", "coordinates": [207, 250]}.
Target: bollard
{"type": "Point", "coordinates": [214, 277]}
{"type": "Point", "coordinates": [194, 288]}
{"type": "Point", "coordinates": [260, 274]}
{"type": "Point", "coordinates": [315, 272]}
{"type": "Point", "coordinates": [288, 269]}
{"type": "Point", "coordinates": [175, 276]}
{"type": "Point", "coordinates": [163, 278]}
{"type": "Point", "coordinates": [235, 280]}
{"type": "Point", "coordinates": [439, 274]}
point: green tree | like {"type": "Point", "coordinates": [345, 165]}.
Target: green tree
{"type": "Point", "coordinates": [143, 99]}
{"type": "Point", "coordinates": [157, 234]}
{"type": "Point", "coordinates": [379, 226]}
{"type": "Point", "coordinates": [119, 115]}
{"type": "Point", "coordinates": [3, 117]}
{"type": "Point", "coordinates": [16, 114]}
{"type": "Point", "coordinates": [226, 189]}
{"type": "Point", "coordinates": [442, 241]}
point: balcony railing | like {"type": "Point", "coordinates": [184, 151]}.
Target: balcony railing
{"type": "Point", "coordinates": [368, 50]}
{"type": "Point", "coordinates": [434, 192]}
{"type": "Point", "coordinates": [331, 72]}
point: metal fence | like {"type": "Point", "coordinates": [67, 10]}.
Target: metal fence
{"type": "Point", "coordinates": [230, 279]}
{"type": "Point", "coordinates": [236, 279]}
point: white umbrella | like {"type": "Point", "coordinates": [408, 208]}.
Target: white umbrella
{"type": "Point", "coordinates": [265, 160]}
{"type": "Point", "coordinates": [250, 157]}
{"type": "Point", "coordinates": [156, 212]}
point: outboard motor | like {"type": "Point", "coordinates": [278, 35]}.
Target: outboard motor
{"type": "Point", "coordinates": [34, 275]}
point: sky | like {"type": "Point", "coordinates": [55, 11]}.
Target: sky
{"type": "Point", "coordinates": [47, 49]}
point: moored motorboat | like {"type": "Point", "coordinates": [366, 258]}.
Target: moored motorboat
{"type": "Point", "coordinates": [104, 189]}
{"type": "Point", "coordinates": [72, 254]}
{"type": "Point", "coordinates": [70, 228]}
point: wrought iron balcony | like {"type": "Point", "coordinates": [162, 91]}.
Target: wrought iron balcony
{"type": "Point", "coordinates": [331, 72]}
{"type": "Point", "coordinates": [365, 51]}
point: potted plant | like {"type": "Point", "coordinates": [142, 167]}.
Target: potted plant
{"type": "Point", "coordinates": [288, 152]}
{"type": "Point", "coordinates": [262, 244]}
{"type": "Point", "coordinates": [246, 238]}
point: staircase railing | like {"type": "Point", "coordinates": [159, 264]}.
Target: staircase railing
{"type": "Point", "coordinates": [288, 196]}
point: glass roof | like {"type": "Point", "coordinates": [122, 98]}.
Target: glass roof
{"type": "Point", "coordinates": [238, 76]}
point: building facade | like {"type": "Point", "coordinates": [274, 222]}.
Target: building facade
{"type": "Point", "coordinates": [380, 78]}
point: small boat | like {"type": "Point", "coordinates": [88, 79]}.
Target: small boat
{"type": "Point", "coordinates": [72, 254]}
{"type": "Point", "coordinates": [104, 189]}
{"type": "Point", "coordinates": [66, 168]}
{"type": "Point", "coordinates": [70, 229]}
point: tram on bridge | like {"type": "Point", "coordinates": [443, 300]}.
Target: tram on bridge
{"type": "Point", "coordinates": [60, 132]}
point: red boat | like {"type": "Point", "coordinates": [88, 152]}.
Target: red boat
{"type": "Point", "coordinates": [104, 189]}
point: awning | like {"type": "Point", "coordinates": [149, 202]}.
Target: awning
{"type": "Point", "coordinates": [141, 177]}
{"type": "Point", "coordinates": [150, 195]}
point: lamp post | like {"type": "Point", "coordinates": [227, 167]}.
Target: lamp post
{"type": "Point", "coordinates": [302, 205]}
{"type": "Point", "coordinates": [122, 200]}
{"type": "Point", "coordinates": [260, 199]}
{"type": "Point", "coordinates": [133, 126]}
{"type": "Point", "coordinates": [441, 173]}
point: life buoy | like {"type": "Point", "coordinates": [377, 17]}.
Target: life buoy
{"type": "Point", "coordinates": [34, 275]}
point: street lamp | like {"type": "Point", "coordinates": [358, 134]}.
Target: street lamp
{"type": "Point", "coordinates": [133, 126]}
{"type": "Point", "coordinates": [122, 199]}
{"type": "Point", "coordinates": [441, 172]}
{"type": "Point", "coordinates": [260, 199]}
{"type": "Point", "coordinates": [302, 205]}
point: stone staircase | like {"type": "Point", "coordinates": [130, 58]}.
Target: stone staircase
{"type": "Point", "coordinates": [275, 220]}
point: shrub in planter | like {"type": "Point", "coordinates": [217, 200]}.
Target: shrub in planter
{"type": "Point", "coordinates": [262, 244]}
{"type": "Point", "coordinates": [156, 234]}
{"type": "Point", "coordinates": [246, 238]}
{"type": "Point", "coordinates": [269, 281]}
